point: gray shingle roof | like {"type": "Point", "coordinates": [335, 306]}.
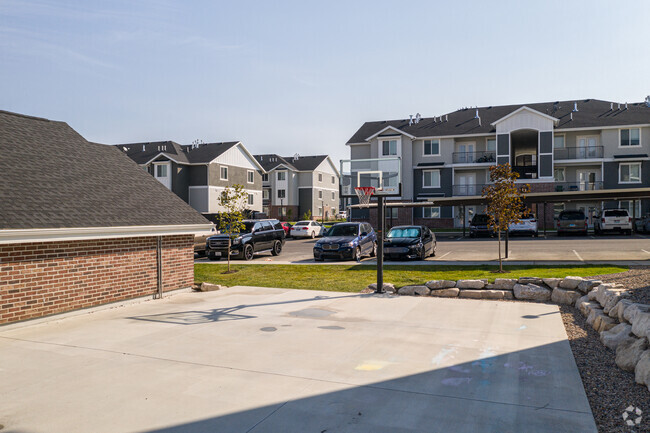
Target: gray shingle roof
{"type": "Point", "coordinates": [591, 113]}
{"type": "Point", "coordinates": [53, 178]}
{"type": "Point", "coordinates": [302, 163]}
{"type": "Point", "coordinates": [200, 154]}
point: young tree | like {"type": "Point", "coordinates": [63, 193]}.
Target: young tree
{"type": "Point", "coordinates": [504, 200]}
{"type": "Point", "coordinates": [232, 200]}
{"type": "Point", "coordinates": [307, 215]}
{"type": "Point", "coordinates": [289, 214]}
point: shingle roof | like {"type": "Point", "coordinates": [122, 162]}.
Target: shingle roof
{"type": "Point", "coordinates": [301, 163]}
{"type": "Point", "coordinates": [188, 154]}
{"type": "Point", "coordinates": [270, 161]}
{"type": "Point", "coordinates": [53, 178]}
{"type": "Point", "coordinates": [591, 113]}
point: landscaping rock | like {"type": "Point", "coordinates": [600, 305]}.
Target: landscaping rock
{"type": "Point", "coordinates": [388, 287]}
{"type": "Point", "coordinates": [608, 295]}
{"type": "Point", "coordinates": [641, 325]}
{"type": "Point", "coordinates": [483, 294]}
{"type": "Point", "coordinates": [470, 284]}
{"type": "Point", "coordinates": [530, 280]}
{"type": "Point", "coordinates": [619, 309]}
{"type": "Point", "coordinates": [594, 313]}
{"type": "Point", "coordinates": [504, 283]}
{"type": "Point", "coordinates": [629, 352]}
{"type": "Point", "coordinates": [587, 307]}
{"type": "Point", "coordinates": [509, 295]}
{"type": "Point", "coordinates": [552, 282]}
{"type": "Point", "coordinates": [446, 293]}
{"type": "Point", "coordinates": [585, 286]}
{"type": "Point", "coordinates": [440, 284]}
{"type": "Point", "coordinates": [531, 292]}
{"type": "Point", "coordinates": [632, 310]}
{"type": "Point", "coordinates": [570, 283]}
{"type": "Point", "coordinates": [567, 297]}
{"type": "Point", "coordinates": [579, 303]}
{"type": "Point", "coordinates": [617, 335]}
{"type": "Point", "coordinates": [604, 323]}
{"type": "Point", "coordinates": [592, 295]}
{"type": "Point", "coordinates": [209, 287]}
{"type": "Point", "coordinates": [414, 291]}
{"type": "Point", "coordinates": [642, 369]}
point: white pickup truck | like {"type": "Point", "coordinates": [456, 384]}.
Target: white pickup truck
{"type": "Point", "coordinates": [611, 220]}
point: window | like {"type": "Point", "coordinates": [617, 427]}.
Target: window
{"type": "Point", "coordinates": [251, 199]}
{"type": "Point", "coordinates": [161, 170]}
{"type": "Point", "coordinates": [333, 195]}
{"type": "Point", "coordinates": [431, 179]}
{"type": "Point", "coordinates": [557, 208]}
{"type": "Point", "coordinates": [282, 211]}
{"type": "Point", "coordinates": [282, 193]}
{"type": "Point", "coordinates": [333, 180]}
{"type": "Point", "coordinates": [223, 171]}
{"type": "Point", "coordinates": [265, 177]}
{"type": "Point", "coordinates": [630, 137]}
{"type": "Point", "coordinates": [392, 212]}
{"type": "Point", "coordinates": [250, 176]}
{"type": "Point", "coordinates": [559, 174]}
{"type": "Point", "coordinates": [629, 172]}
{"type": "Point", "coordinates": [265, 194]}
{"type": "Point", "coordinates": [389, 147]}
{"type": "Point", "coordinates": [431, 212]}
{"type": "Point", "coordinates": [431, 147]}
{"type": "Point", "coordinates": [282, 175]}
{"type": "Point", "coordinates": [558, 141]}
{"type": "Point", "coordinates": [320, 177]}
{"type": "Point", "coordinates": [320, 211]}
{"type": "Point", "coordinates": [491, 144]}
{"type": "Point", "coordinates": [627, 204]}
{"type": "Point", "coordinates": [320, 194]}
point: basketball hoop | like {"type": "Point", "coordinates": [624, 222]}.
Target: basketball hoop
{"type": "Point", "coordinates": [364, 193]}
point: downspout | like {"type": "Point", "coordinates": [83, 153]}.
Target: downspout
{"type": "Point", "coordinates": [159, 292]}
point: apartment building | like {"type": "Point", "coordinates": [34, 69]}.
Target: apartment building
{"type": "Point", "coordinates": [294, 186]}
{"type": "Point", "coordinates": [554, 146]}
{"type": "Point", "coordinates": [198, 173]}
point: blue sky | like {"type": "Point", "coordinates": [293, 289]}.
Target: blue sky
{"type": "Point", "coordinates": [301, 76]}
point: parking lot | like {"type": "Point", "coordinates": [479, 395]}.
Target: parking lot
{"type": "Point", "coordinates": [455, 249]}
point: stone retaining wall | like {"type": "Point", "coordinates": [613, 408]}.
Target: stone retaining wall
{"type": "Point", "coordinates": [624, 326]}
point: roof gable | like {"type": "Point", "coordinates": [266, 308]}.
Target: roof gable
{"type": "Point", "coordinates": [389, 128]}
{"type": "Point", "coordinates": [526, 109]}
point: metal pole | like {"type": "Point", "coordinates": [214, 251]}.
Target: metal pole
{"type": "Point", "coordinates": [544, 213]}
{"type": "Point", "coordinates": [159, 267]}
{"type": "Point", "coordinates": [633, 217]}
{"type": "Point", "coordinates": [506, 243]}
{"type": "Point", "coordinates": [463, 217]}
{"type": "Point", "coordinates": [380, 245]}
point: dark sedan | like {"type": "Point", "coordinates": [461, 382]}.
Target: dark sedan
{"type": "Point", "coordinates": [346, 241]}
{"type": "Point", "coordinates": [479, 226]}
{"type": "Point", "coordinates": [410, 242]}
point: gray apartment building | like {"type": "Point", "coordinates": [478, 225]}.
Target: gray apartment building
{"type": "Point", "coordinates": [198, 173]}
{"type": "Point", "coordinates": [293, 186]}
{"type": "Point", "coordinates": [554, 146]}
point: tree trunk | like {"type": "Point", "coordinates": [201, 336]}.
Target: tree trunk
{"type": "Point", "coordinates": [229, 240]}
{"type": "Point", "coordinates": [500, 263]}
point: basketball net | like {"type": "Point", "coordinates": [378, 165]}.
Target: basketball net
{"type": "Point", "coordinates": [364, 193]}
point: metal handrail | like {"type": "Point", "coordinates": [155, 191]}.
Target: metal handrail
{"type": "Point", "coordinates": [475, 157]}
{"type": "Point", "coordinates": [578, 186]}
{"type": "Point", "coordinates": [470, 189]}
{"type": "Point", "coordinates": [588, 152]}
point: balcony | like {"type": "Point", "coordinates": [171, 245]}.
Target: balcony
{"type": "Point", "coordinates": [474, 157]}
{"type": "Point", "coordinates": [589, 152]}
{"type": "Point", "coordinates": [525, 171]}
{"type": "Point", "coordinates": [578, 186]}
{"type": "Point", "coordinates": [464, 190]}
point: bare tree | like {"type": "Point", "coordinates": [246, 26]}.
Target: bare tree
{"type": "Point", "coordinates": [232, 200]}
{"type": "Point", "coordinates": [505, 200]}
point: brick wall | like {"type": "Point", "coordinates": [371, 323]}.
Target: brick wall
{"type": "Point", "coordinates": [38, 279]}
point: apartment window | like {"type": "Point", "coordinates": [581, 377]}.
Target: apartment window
{"type": "Point", "coordinates": [223, 172]}
{"type": "Point", "coordinates": [431, 212]}
{"type": "Point", "coordinates": [251, 199]}
{"type": "Point", "coordinates": [282, 193]}
{"type": "Point", "coordinates": [320, 195]}
{"type": "Point", "coordinates": [251, 179]}
{"type": "Point", "coordinates": [282, 211]}
{"type": "Point", "coordinates": [558, 142]}
{"type": "Point", "coordinates": [629, 172]}
{"type": "Point", "coordinates": [627, 204]}
{"type": "Point", "coordinates": [431, 179]}
{"type": "Point", "coordinates": [431, 147]}
{"type": "Point", "coordinates": [557, 208]}
{"type": "Point", "coordinates": [265, 194]}
{"type": "Point", "coordinates": [282, 175]}
{"type": "Point", "coordinates": [630, 137]}
{"type": "Point", "coordinates": [333, 180]}
{"type": "Point", "coordinates": [333, 195]}
{"type": "Point", "coordinates": [392, 212]}
{"type": "Point", "coordinates": [559, 175]}
{"type": "Point", "coordinates": [161, 170]}
{"type": "Point", "coordinates": [320, 177]}
{"type": "Point", "coordinates": [491, 144]}
{"type": "Point", "coordinates": [320, 211]}
{"type": "Point", "coordinates": [265, 177]}
{"type": "Point", "coordinates": [389, 147]}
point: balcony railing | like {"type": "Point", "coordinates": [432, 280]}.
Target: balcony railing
{"type": "Point", "coordinates": [578, 186]}
{"type": "Point", "coordinates": [472, 189]}
{"type": "Point", "coordinates": [473, 157]}
{"type": "Point", "coordinates": [525, 171]}
{"type": "Point", "coordinates": [578, 152]}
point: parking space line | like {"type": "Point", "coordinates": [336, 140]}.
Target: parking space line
{"type": "Point", "coordinates": [592, 237]}
{"type": "Point", "coordinates": [578, 255]}
{"type": "Point", "coordinates": [444, 255]}
{"type": "Point", "coordinates": [647, 252]}
{"type": "Point", "coordinates": [459, 238]}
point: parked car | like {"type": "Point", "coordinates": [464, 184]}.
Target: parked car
{"type": "Point", "coordinates": [346, 241]}
{"type": "Point", "coordinates": [307, 229]}
{"type": "Point", "coordinates": [527, 225]}
{"type": "Point", "coordinates": [341, 215]}
{"type": "Point", "coordinates": [410, 242]}
{"type": "Point", "coordinates": [642, 225]}
{"type": "Point", "coordinates": [200, 240]}
{"type": "Point", "coordinates": [478, 226]}
{"type": "Point", "coordinates": [257, 236]}
{"type": "Point", "coordinates": [613, 220]}
{"type": "Point", "coordinates": [287, 229]}
{"type": "Point", "coordinates": [572, 221]}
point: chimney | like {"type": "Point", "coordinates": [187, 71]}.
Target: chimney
{"type": "Point", "coordinates": [143, 147]}
{"type": "Point", "coordinates": [611, 106]}
{"type": "Point", "coordinates": [626, 105]}
{"type": "Point", "coordinates": [446, 117]}
{"type": "Point", "coordinates": [410, 119]}
{"type": "Point", "coordinates": [647, 101]}
{"type": "Point", "coordinates": [575, 106]}
{"type": "Point", "coordinates": [572, 115]}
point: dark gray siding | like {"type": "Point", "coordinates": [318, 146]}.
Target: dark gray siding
{"type": "Point", "coordinates": [503, 144]}
{"type": "Point", "coordinates": [236, 175]}
{"type": "Point", "coordinates": [445, 212]}
{"type": "Point", "coordinates": [610, 176]}
{"type": "Point", "coordinates": [546, 142]}
{"type": "Point", "coordinates": [446, 183]}
{"type": "Point", "coordinates": [305, 196]}
{"type": "Point", "coordinates": [198, 175]}
{"type": "Point", "coordinates": [546, 165]}
{"type": "Point", "coordinates": [180, 180]}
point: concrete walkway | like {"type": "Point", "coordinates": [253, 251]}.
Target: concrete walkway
{"type": "Point", "coordinates": [250, 359]}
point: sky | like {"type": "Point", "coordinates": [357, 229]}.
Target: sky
{"type": "Point", "coordinates": [301, 77]}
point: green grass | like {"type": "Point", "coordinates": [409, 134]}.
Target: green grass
{"type": "Point", "coordinates": [353, 278]}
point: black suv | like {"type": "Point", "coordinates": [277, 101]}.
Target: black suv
{"type": "Point", "coordinates": [257, 236]}
{"type": "Point", "coordinates": [479, 226]}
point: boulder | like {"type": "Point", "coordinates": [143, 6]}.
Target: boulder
{"type": "Point", "coordinates": [587, 307]}
{"type": "Point", "coordinates": [414, 291]}
{"type": "Point", "coordinates": [642, 369]}
{"type": "Point", "coordinates": [209, 287]}
{"type": "Point", "coordinates": [585, 286]}
{"type": "Point", "coordinates": [570, 283]}
{"type": "Point", "coordinates": [608, 296]}
{"type": "Point", "coordinates": [388, 287]}
{"type": "Point", "coordinates": [641, 325]}
{"type": "Point", "coordinates": [580, 302]}
{"type": "Point", "coordinates": [629, 352]}
{"type": "Point", "coordinates": [594, 313]}
{"type": "Point", "coordinates": [592, 295]}
{"type": "Point", "coordinates": [483, 294]}
{"type": "Point", "coordinates": [508, 295]}
{"type": "Point", "coordinates": [452, 292]}
{"type": "Point", "coordinates": [530, 280]}
{"type": "Point", "coordinates": [604, 323]}
{"type": "Point", "coordinates": [631, 311]}
{"type": "Point", "coordinates": [531, 292]}
{"type": "Point", "coordinates": [470, 284]}
{"type": "Point", "coordinates": [615, 336]}
{"type": "Point", "coordinates": [504, 283]}
{"type": "Point", "coordinates": [619, 309]}
{"type": "Point", "coordinates": [552, 282]}
{"type": "Point", "coordinates": [567, 297]}
{"type": "Point", "coordinates": [440, 284]}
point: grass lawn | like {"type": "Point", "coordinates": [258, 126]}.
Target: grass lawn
{"type": "Point", "coordinates": [353, 278]}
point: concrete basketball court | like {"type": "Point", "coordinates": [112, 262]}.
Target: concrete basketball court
{"type": "Point", "coordinates": [248, 359]}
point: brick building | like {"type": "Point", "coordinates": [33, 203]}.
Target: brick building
{"type": "Point", "coordinates": [82, 225]}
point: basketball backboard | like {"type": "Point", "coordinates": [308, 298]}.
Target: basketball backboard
{"type": "Point", "coordinates": [384, 174]}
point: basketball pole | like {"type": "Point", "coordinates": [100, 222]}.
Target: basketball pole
{"type": "Point", "coordinates": [380, 244]}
